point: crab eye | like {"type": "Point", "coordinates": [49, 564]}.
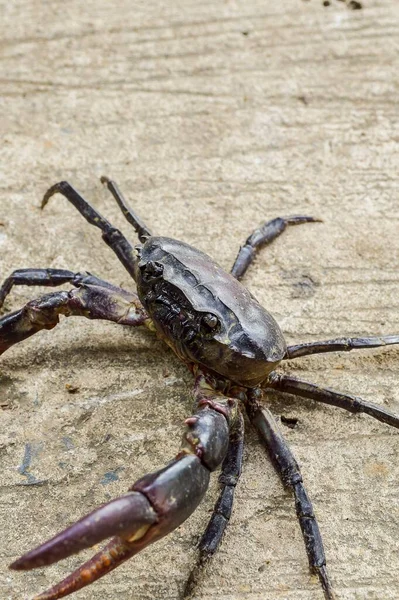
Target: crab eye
{"type": "Point", "coordinates": [151, 270]}
{"type": "Point", "coordinates": [210, 320]}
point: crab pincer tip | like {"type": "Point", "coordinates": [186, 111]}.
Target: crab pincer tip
{"type": "Point", "coordinates": [129, 515]}
{"type": "Point", "coordinates": [18, 565]}
{"type": "Point", "coordinates": [113, 555]}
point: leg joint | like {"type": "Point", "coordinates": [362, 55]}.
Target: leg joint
{"type": "Point", "coordinates": [43, 313]}
{"type": "Point", "coordinates": [228, 480]}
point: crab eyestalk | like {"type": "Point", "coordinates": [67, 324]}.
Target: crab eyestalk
{"type": "Point", "coordinates": [154, 506]}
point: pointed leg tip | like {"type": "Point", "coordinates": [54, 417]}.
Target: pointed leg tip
{"type": "Point", "coordinates": [44, 202]}
{"type": "Point", "coordinates": [299, 219]}
{"type": "Point", "coordinates": [324, 578]}
{"type": "Point", "coordinates": [50, 192]}
{"type": "Point", "coordinates": [55, 189]}
{"type": "Point", "coordinates": [314, 220]}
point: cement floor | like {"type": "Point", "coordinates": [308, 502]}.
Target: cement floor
{"type": "Point", "coordinates": [212, 117]}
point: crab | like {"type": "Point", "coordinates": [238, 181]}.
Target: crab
{"type": "Point", "coordinates": [232, 346]}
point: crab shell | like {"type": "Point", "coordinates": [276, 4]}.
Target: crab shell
{"type": "Point", "coordinates": [205, 314]}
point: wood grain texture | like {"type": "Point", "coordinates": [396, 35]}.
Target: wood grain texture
{"type": "Point", "coordinates": [212, 117]}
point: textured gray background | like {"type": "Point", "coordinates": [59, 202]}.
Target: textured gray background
{"type": "Point", "coordinates": [212, 116]}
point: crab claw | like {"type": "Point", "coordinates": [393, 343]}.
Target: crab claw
{"type": "Point", "coordinates": [154, 506]}
{"type": "Point", "coordinates": [128, 516]}
{"type": "Point", "coordinates": [157, 503]}
{"type": "Point", "coordinates": [110, 557]}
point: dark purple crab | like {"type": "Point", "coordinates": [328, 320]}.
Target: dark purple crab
{"type": "Point", "coordinates": [230, 343]}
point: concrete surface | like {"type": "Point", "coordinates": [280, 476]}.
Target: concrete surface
{"type": "Point", "coordinates": [212, 116]}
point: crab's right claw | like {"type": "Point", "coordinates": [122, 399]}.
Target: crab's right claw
{"type": "Point", "coordinates": [110, 557]}
{"type": "Point", "coordinates": [158, 503]}
{"type": "Point", "coordinates": [155, 505]}
{"type": "Point", "coordinates": [128, 516]}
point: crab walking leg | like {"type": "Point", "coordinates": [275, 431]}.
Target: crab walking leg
{"type": "Point", "coordinates": [263, 235]}
{"type": "Point", "coordinates": [94, 299]}
{"type": "Point", "coordinates": [155, 505]}
{"type": "Point", "coordinates": [228, 479]}
{"type": "Point", "coordinates": [339, 345]}
{"type": "Point", "coordinates": [42, 277]}
{"type": "Point", "coordinates": [112, 236]}
{"type": "Point", "coordinates": [142, 230]}
{"type": "Point", "coordinates": [353, 404]}
{"type": "Point", "coordinates": [289, 472]}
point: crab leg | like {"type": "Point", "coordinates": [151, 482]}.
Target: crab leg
{"type": "Point", "coordinates": [142, 230]}
{"type": "Point", "coordinates": [290, 474]}
{"type": "Point", "coordinates": [94, 299]}
{"type": "Point", "coordinates": [340, 345]}
{"type": "Point", "coordinates": [42, 277]}
{"type": "Point", "coordinates": [154, 506]}
{"type": "Point", "coordinates": [353, 404]}
{"type": "Point", "coordinates": [263, 235]}
{"type": "Point", "coordinates": [112, 236]}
